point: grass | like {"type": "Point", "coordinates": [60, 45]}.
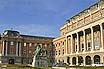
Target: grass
{"type": "Point", "coordinates": [87, 67]}
{"type": "Point", "coordinates": [17, 66]}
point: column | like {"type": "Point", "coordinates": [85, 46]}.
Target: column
{"type": "Point", "coordinates": [3, 49]}
{"type": "Point", "coordinates": [92, 40]}
{"type": "Point", "coordinates": [6, 48]}
{"type": "Point", "coordinates": [101, 30]}
{"type": "Point", "coordinates": [17, 49]}
{"type": "Point", "coordinates": [84, 64]}
{"type": "Point", "coordinates": [71, 44]}
{"type": "Point", "coordinates": [71, 61]}
{"type": "Point", "coordinates": [20, 49]}
{"type": "Point", "coordinates": [77, 42]}
{"type": "Point", "coordinates": [66, 45]}
{"type": "Point", "coordinates": [77, 60]}
{"type": "Point", "coordinates": [84, 35]}
{"type": "Point", "coordinates": [102, 59]}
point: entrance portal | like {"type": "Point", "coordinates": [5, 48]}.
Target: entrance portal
{"type": "Point", "coordinates": [11, 61]}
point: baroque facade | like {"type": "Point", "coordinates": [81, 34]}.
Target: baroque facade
{"type": "Point", "coordinates": [81, 40]}
{"type": "Point", "coordinates": [16, 48]}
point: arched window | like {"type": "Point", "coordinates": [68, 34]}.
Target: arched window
{"type": "Point", "coordinates": [74, 60]}
{"type": "Point", "coordinates": [68, 60]}
{"type": "Point", "coordinates": [88, 60]}
{"type": "Point", "coordinates": [96, 59]}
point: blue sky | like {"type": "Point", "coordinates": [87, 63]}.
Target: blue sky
{"type": "Point", "coordinates": [39, 17]}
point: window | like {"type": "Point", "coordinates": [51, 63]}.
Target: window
{"type": "Point", "coordinates": [56, 52]}
{"type": "Point", "coordinates": [11, 51]}
{"type": "Point", "coordinates": [89, 45]}
{"type": "Point", "coordinates": [63, 51]}
{"type": "Point", "coordinates": [63, 43]}
{"type": "Point", "coordinates": [11, 43]}
{"type": "Point", "coordinates": [59, 44]}
{"type": "Point", "coordinates": [59, 61]}
{"type": "Point", "coordinates": [76, 48]}
{"type": "Point", "coordinates": [56, 45]}
{"type": "Point", "coordinates": [59, 52]}
{"type": "Point", "coordinates": [24, 51]}
{"type": "Point", "coordinates": [82, 46]}
{"type": "Point", "coordinates": [96, 44]}
{"type": "Point", "coordinates": [29, 51]}
{"type": "Point", "coordinates": [68, 60]}
{"type": "Point", "coordinates": [30, 44]}
{"type": "Point", "coordinates": [63, 61]}
{"type": "Point", "coordinates": [24, 44]}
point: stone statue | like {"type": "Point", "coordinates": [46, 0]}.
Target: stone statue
{"type": "Point", "coordinates": [40, 55]}
{"type": "Point", "coordinates": [38, 49]}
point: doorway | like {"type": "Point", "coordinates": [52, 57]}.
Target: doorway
{"type": "Point", "coordinates": [11, 61]}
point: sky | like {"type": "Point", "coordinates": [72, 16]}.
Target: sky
{"type": "Point", "coordinates": [39, 17]}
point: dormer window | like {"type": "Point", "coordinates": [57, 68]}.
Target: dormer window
{"type": "Point", "coordinates": [11, 43]}
{"type": "Point", "coordinates": [5, 33]}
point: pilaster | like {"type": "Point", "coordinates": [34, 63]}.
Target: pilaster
{"type": "Point", "coordinates": [71, 44]}
{"type": "Point", "coordinates": [3, 49]}
{"type": "Point", "coordinates": [6, 48]}
{"type": "Point", "coordinates": [84, 34]}
{"type": "Point", "coordinates": [20, 49]}
{"type": "Point", "coordinates": [77, 42]}
{"type": "Point", "coordinates": [17, 49]}
{"type": "Point", "coordinates": [101, 30]}
{"type": "Point", "coordinates": [92, 40]}
{"type": "Point", "coordinates": [66, 45]}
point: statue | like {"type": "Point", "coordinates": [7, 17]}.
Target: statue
{"type": "Point", "coordinates": [38, 49]}
{"type": "Point", "coordinates": [40, 55]}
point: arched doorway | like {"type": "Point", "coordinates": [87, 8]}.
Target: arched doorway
{"type": "Point", "coordinates": [96, 59]}
{"type": "Point", "coordinates": [80, 60]}
{"type": "Point", "coordinates": [88, 60]}
{"type": "Point", "coordinates": [74, 60]}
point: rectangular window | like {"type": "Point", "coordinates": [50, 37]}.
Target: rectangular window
{"type": "Point", "coordinates": [82, 46]}
{"type": "Point", "coordinates": [96, 44]}
{"type": "Point", "coordinates": [11, 51]}
{"type": "Point", "coordinates": [30, 51]}
{"type": "Point", "coordinates": [56, 45]}
{"type": "Point", "coordinates": [30, 44]}
{"type": "Point", "coordinates": [59, 52]}
{"type": "Point", "coordinates": [63, 51]}
{"type": "Point", "coordinates": [24, 44]}
{"type": "Point", "coordinates": [24, 51]}
{"type": "Point", "coordinates": [63, 43]}
{"type": "Point", "coordinates": [59, 44]}
{"type": "Point", "coordinates": [11, 43]}
{"type": "Point", "coordinates": [89, 45]}
{"type": "Point", "coordinates": [56, 52]}
{"type": "Point", "coordinates": [76, 48]}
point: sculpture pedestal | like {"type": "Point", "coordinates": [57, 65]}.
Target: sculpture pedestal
{"type": "Point", "coordinates": [33, 63]}
{"type": "Point", "coordinates": [40, 61]}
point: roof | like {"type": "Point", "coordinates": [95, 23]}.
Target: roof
{"type": "Point", "coordinates": [41, 37]}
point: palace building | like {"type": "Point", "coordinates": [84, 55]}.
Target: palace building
{"type": "Point", "coordinates": [81, 40]}
{"type": "Point", "coordinates": [16, 48]}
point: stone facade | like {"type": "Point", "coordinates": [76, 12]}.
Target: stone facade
{"type": "Point", "coordinates": [83, 35]}
{"type": "Point", "coordinates": [19, 49]}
